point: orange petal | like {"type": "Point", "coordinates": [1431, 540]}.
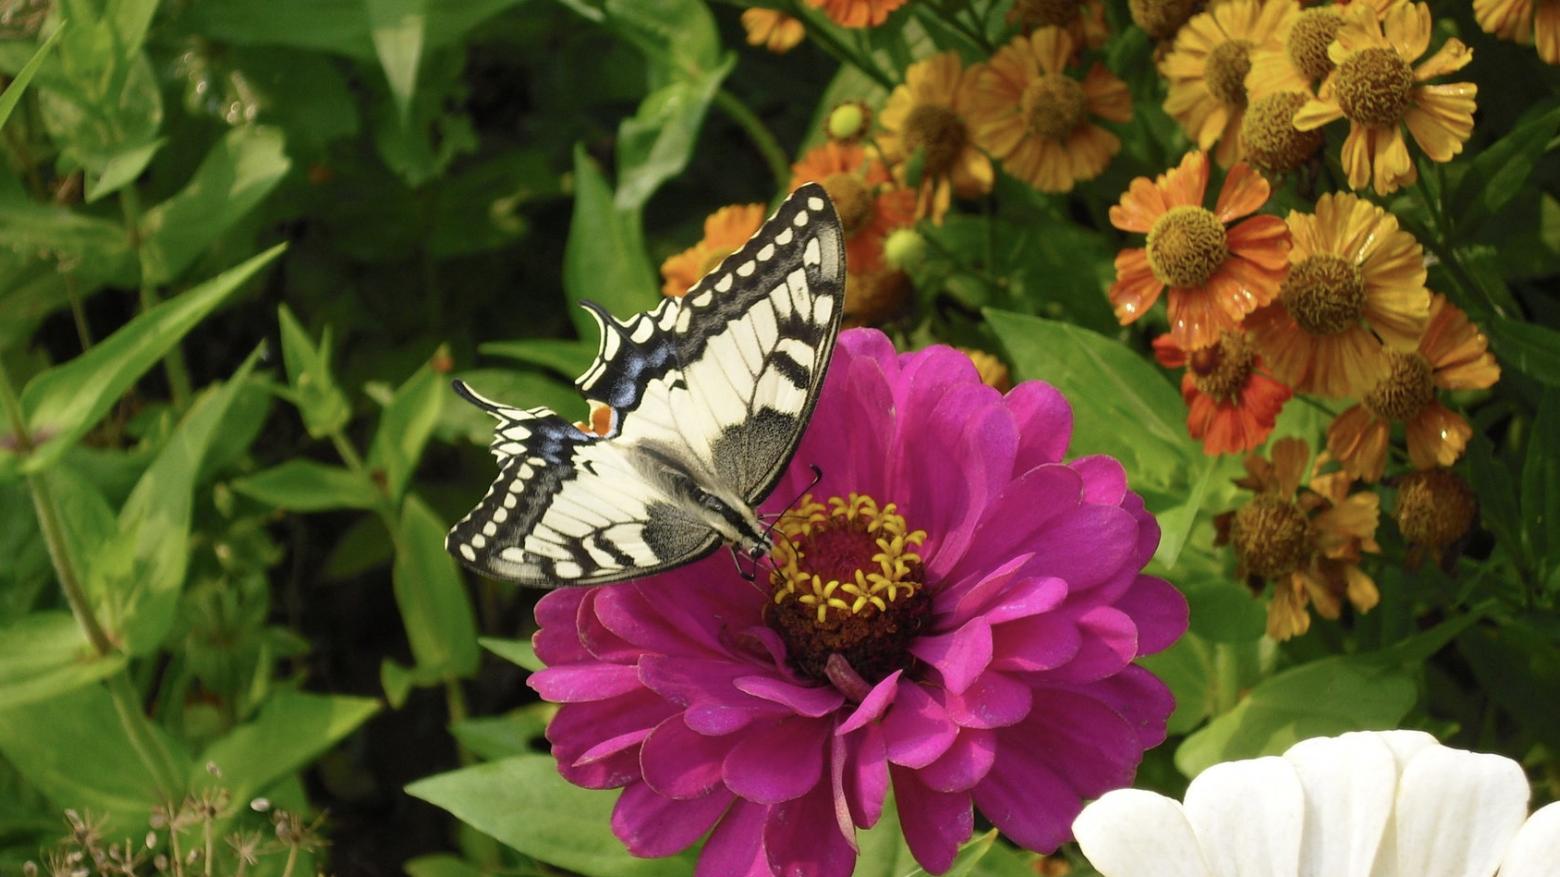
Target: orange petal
{"type": "Point", "coordinates": [1140, 206]}
{"type": "Point", "coordinates": [1407, 28]}
{"type": "Point", "coordinates": [1436, 436]}
{"type": "Point", "coordinates": [1441, 118]}
{"type": "Point", "coordinates": [1392, 167]}
{"type": "Point", "coordinates": [1451, 57]}
{"type": "Point", "coordinates": [1244, 192]}
{"type": "Point", "coordinates": [1289, 458]}
{"type": "Point", "coordinates": [1356, 155]}
{"type": "Point", "coordinates": [1106, 96]}
{"type": "Point", "coordinates": [1359, 440]}
{"type": "Point", "coordinates": [1197, 317]}
{"type": "Point", "coordinates": [1168, 353]}
{"type": "Point", "coordinates": [1136, 288]}
{"type": "Point", "coordinates": [1315, 113]}
{"type": "Point", "coordinates": [1186, 183]}
{"type": "Point", "coordinates": [1261, 239]}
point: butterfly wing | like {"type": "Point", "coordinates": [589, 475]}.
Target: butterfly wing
{"type": "Point", "coordinates": [570, 508]}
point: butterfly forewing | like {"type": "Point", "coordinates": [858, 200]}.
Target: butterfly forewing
{"type": "Point", "coordinates": [713, 389]}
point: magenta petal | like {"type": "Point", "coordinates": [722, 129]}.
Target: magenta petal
{"type": "Point", "coordinates": [802, 839]}
{"type": "Point", "coordinates": [1025, 598]}
{"type": "Point", "coordinates": [916, 729]}
{"type": "Point", "coordinates": [736, 846]}
{"type": "Point", "coordinates": [778, 762]}
{"type": "Point", "coordinates": [959, 657]}
{"type": "Point", "coordinates": [1109, 643]}
{"type": "Point", "coordinates": [652, 826]}
{"type": "Point", "coordinates": [1039, 642]}
{"type": "Point", "coordinates": [1104, 480]}
{"type": "Point", "coordinates": [839, 755]}
{"type": "Point", "coordinates": [680, 763]}
{"type": "Point", "coordinates": [1044, 420]}
{"type": "Point", "coordinates": [873, 705]}
{"type": "Point", "coordinates": [686, 680]}
{"type": "Point", "coordinates": [964, 764]}
{"type": "Point", "coordinates": [557, 639]}
{"type": "Point", "coordinates": [603, 644]}
{"type": "Point", "coordinates": [1026, 510]}
{"type": "Point", "coordinates": [1086, 547]}
{"type": "Point", "coordinates": [1082, 740]}
{"type": "Point", "coordinates": [866, 776]}
{"type": "Point", "coordinates": [579, 683]}
{"type": "Point", "coordinates": [656, 625]}
{"type": "Point", "coordinates": [611, 746]}
{"type": "Point", "coordinates": [994, 701]}
{"type": "Point", "coordinates": [1030, 804]}
{"type": "Point", "coordinates": [1142, 701]}
{"type": "Point", "coordinates": [814, 701]}
{"type": "Point", "coordinates": [934, 822]}
{"type": "Point", "coordinates": [1158, 610]}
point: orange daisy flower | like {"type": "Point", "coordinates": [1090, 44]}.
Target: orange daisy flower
{"type": "Point", "coordinates": [1035, 119]}
{"type": "Point", "coordinates": [1297, 60]}
{"type": "Point", "coordinates": [1377, 90]}
{"type": "Point", "coordinates": [1084, 20]}
{"type": "Point", "coordinates": [1162, 18]}
{"type": "Point", "coordinates": [1452, 355]}
{"type": "Point", "coordinates": [1231, 403]}
{"type": "Point", "coordinates": [857, 13]}
{"type": "Point", "coordinates": [869, 203]}
{"type": "Point", "coordinates": [772, 29]}
{"type": "Point", "coordinates": [1307, 542]}
{"type": "Point", "coordinates": [1354, 277]}
{"type": "Point", "coordinates": [1521, 20]}
{"type": "Point", "coordinates": [928, 116]}
{"type": "Point", "coordinates": [725, 231]}
{"type": "Point", "coordinates": [1206, 69]}
{"type": "Point", "coordinates": [1217, 273]}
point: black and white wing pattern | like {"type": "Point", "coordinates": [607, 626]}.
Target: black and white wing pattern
{"type": "Point", "coordinates": [708, 394]}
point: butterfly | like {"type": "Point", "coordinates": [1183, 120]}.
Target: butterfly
{"type": "Point", "coordinates": [697, 407]}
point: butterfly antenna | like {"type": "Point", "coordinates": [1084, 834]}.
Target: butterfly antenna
{"type": "Point", "coordinates": [817, 477]}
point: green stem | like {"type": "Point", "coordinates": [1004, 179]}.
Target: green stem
{"type": "Point", "coordinates": [1226, 675]}
{"type": "Point", "coordinates": [78, 313]}
{"type": "Point", "coordinates": [455, 703]}
{"type": "Point", "coordinates": [833, 46]}
{"type": "Point", "coordinates": [173, 364]}
{"type": "Point", "coordinates": [150, 750]}
{"type": "Point", "coordinates": [54, 538]}
{"type": "Point", "coordinates": [763, 140]}
{"type": "Point", "coordinates": [13, 411]}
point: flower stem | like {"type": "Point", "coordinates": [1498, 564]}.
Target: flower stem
{"type": "Point", "coordinates": [833, 46]}
{"type": "Point", "coordinates": [763, 140]}
{"type": "Point", "coordinates": [173, 364]}
{"type": "Point", "coordinates": [1226, 676]}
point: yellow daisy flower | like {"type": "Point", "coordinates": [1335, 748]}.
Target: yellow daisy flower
{"type": "Point", "coordinates": [1377, 90]}
{"type": "Point", "coordinates": [1297, 60]}
{"type": "Point", "coordinates": [929, 116]}
{"type": "Point", "coordinates": [1354, 277]}
{"type": "Point", "coordinates": [1084, 20]}
{"type": "Point", "coordinates": [1206, 70]}
{"type": "Point", "coordinates": [1162, 18]}
{"type": "Point", "coordinates": [1522, 20]}
{"type": "Point", "coordinates": [1035, 119]}
{"type": "Point", "coordinates": [772, 29]}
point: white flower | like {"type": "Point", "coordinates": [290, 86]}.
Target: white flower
{"type": "Point", "coordinates": [1368, 804]}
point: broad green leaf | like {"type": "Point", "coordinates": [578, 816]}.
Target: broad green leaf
{"type": "Point", "coordinates": [655, 144]}
{"type": "Point", "coordinates": [1541, 484]}
{"type": "Point", "coordinates": [515, 651]}
{"type": "Point", "coordinates": [1176, 524]}
{"type": "Point", "coordinates": [432, 598]}
{"type": "Point", "coordinates": [398, 680]}
{"type": "Point", "coordinates": [75, 750]}
{"type": "Point", "coordinates": [405, 426]}
{"type": "Point", "coordinates": [1498, 173]}
{"type": "Point", "coordinates": [301, 485]}
{"type": "Point", "coordinates": [1519, 667]}
{"type": "Point", "coordinates": [1188, 668]}
{"type": "Point", "coordinates": [678, 36]}
{"type": "Point", "coordinates": [155, 520]}
{"type": "Point", "coordinates": [604, 260]}
{"type": "Point", "coordinates": [18, 85]}
{"type": "Point", "coordinates": [121, 170]}
{"type": "Point", "coordinates": [493, 737]}
{"type": "Point", "coordinates": [323, 407]}
{"type": "Point", "coordinates": [396, 27]}
{"type": "Point", "coordinates": [1223, 611]}
{"type": "Point", "coordinates": [45, 655]}
{"type": "Point", "coordinates": [86, 519]}
{"type": "Point", "coordinates": [341, 27]}
{"type": "Point", "coordinates": [292, 730]}
{"type": "Point", "coordinates": [1494, 483]}
{"type": "Point", "coordinates": [69, 399]}
{"type": "Point", "coordinates": [98, 96]}
{"type": "Point", "coordinates": [442, 865]}
{"type": "Point", "coordinates": [241, 169]}
{"type": "Point", "coordinates": [1121, 404]}
{"type": "Point", "coordinates": [883, 849]}
{"type": "Point", "coordinates": [568, 359]}
{"type": "Point", "coordinates": [523, 802]}
{"type": "Point", "coordinates": [131, 19]}
{"type": "Point", "coordinates": [31, 291]}
{"type": "Point", "coordinates": [88, 249]}
{"type": "Point", "coordinates": [1529, 348]}
{"type": "Point", "coordinates": [1323, 698]}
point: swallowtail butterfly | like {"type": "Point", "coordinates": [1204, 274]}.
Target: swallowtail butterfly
{"type": "Point", "coordinates": [698, 406]}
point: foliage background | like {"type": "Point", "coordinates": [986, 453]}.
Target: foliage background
{"type": "Point", "coordinates": [241, 466]}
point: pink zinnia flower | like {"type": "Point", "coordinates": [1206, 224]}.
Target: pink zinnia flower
{"type": "Point", "coordinates": [953, 611]}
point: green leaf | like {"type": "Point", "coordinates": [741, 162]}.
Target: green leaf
{"type": "Point", "coordinates": [1188, 668]}
{"type": "Point", "coordinates": [1323, 698]}
{"type": "Point", "coordinates": [1541, 484]}
{"type": "Point", "coordinates": [655, 144]}
{"type": "Point", "coordinates": [45, 655]}
{"type": "Point", "coordinates": [604, 260]}
{"type": "Point", "coordinates": [292, 730]}
{"type": "Point", "coordinates": [18, 85]}
{"type": "Point", "coordinates": [323, 407]}
{"type": "Point", "coordinates": [341, 27]}
{"type": "Point", "coordinates": [405, 426]}
{"type": "Point", "coordinates": [515, 651]}
{"type": "Point", "coordinates": [1223, 611]}
{"type": "Point", "coordinates": [433, 601]}
{"type": "Point", "coordinates": [442, 865]}
{"type": "Point", "coordinates": [1498, 173]}
{"type": "Point", "coordinates": [1530, 348]}
{"type": "Point", "coordinates": [121, 170]}
{"type": "Point", "coordinates": [300, 485]}
{"type": "Point", "coordinates": [75, 751]}
{"type": "Point", "coordinates": [495, 737]}
{"type": "Point", "coordinates": [241, 169]}
{"type": "Point", "coordinates": [397, 28]}
{"type": "Point", "coordinates": [677, 36]}
{"type": "Point", "coordinates": [155, 521]}
{"type": "Point", "coordinates": [569, 359]}
{"type": "Point", "coordinates": [86, 249]}
{"type": "Point", "coordinates": [523, 802]}
{"type": "Point", "coordinates": [69, 399]}
{"type": "Point", "coordinates": [1121, 404]}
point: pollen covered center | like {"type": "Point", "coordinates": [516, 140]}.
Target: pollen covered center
{"type": "Point", "coordinates": [1221, 371]}
{"type": "Point", "coordinates": [1324, 293]}
{"type": "Point", "coordinates": [1405, 391]}
{"type": "Point", "coordinates": [1272, 537]}
{"type": "Point", "coordinates": [852, 201]}
{"type": "Point", "coordinates": [1375, 87]}
{"type": "Point", "coordinates": [1053, 105]}
{"type": "Point", "coordinates": [1307, 45]}
{"type": "Point", "coordinates": [847, 582]}
{"type": "Point", "coordinates": [1046, 13]}
{"type": "Point", "coordinates": [1226, 71]}
{"type": "Point", "coordinates": [1273, 144]}
{"type": "Point", "coordinates": [939, 134]}
{"type": "Point", "coordinates": [1186, 246]}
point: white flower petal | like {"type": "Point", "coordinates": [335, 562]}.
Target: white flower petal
{"type": "Point", "coordinates": [1535, 851]}
{"type": "Point", "coordinates": [1350, 783]}
{"type": "Point", "coordinates": [1247, 815]}
{"type": "Point", "coordinates": [1404, 744]}
{"type": "Point", "coordinates": [1456, 812]}
{"type": "Point", "coordinates": [1132, 833]}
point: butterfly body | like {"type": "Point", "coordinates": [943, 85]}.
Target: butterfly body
{"type": "Point", "coordinates": [696, 409]}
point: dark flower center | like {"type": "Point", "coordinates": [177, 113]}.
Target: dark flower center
{"type": "Point", "coordinates": [1405, 391]}
{"type": "Point", "coordinates": [1221, 371]}
{"type": "Point", "coordinates": [1273, 144]}
{"type": "Point", "coordinates": [1226, 72]}
{"type": "Point", "coordinates": [847, 583]}
{"type": "Point", "coordinates": [939, 133]}
{"type": "Point", "coordinates": [1053, 105]}
{"type": "Point", "coordinates": [1046, 13]}
{"type": "Point", "coordinates": [1271, 536]}
{"type": "Point", "coordinates": [1162, 18]}
{"type": "Point", "coordinates": [1375, 87]}
{"type": "Point", "coordinates": [1435, 507]}
{"type": "Point", "coordinates": [1324, 293]}
{"type": "Point", "coordinates": [1308, 40]}
{"type": "Point", "coordinates": [1186, 246]}
{"type": "Point", "coordinates": [852, 201]}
